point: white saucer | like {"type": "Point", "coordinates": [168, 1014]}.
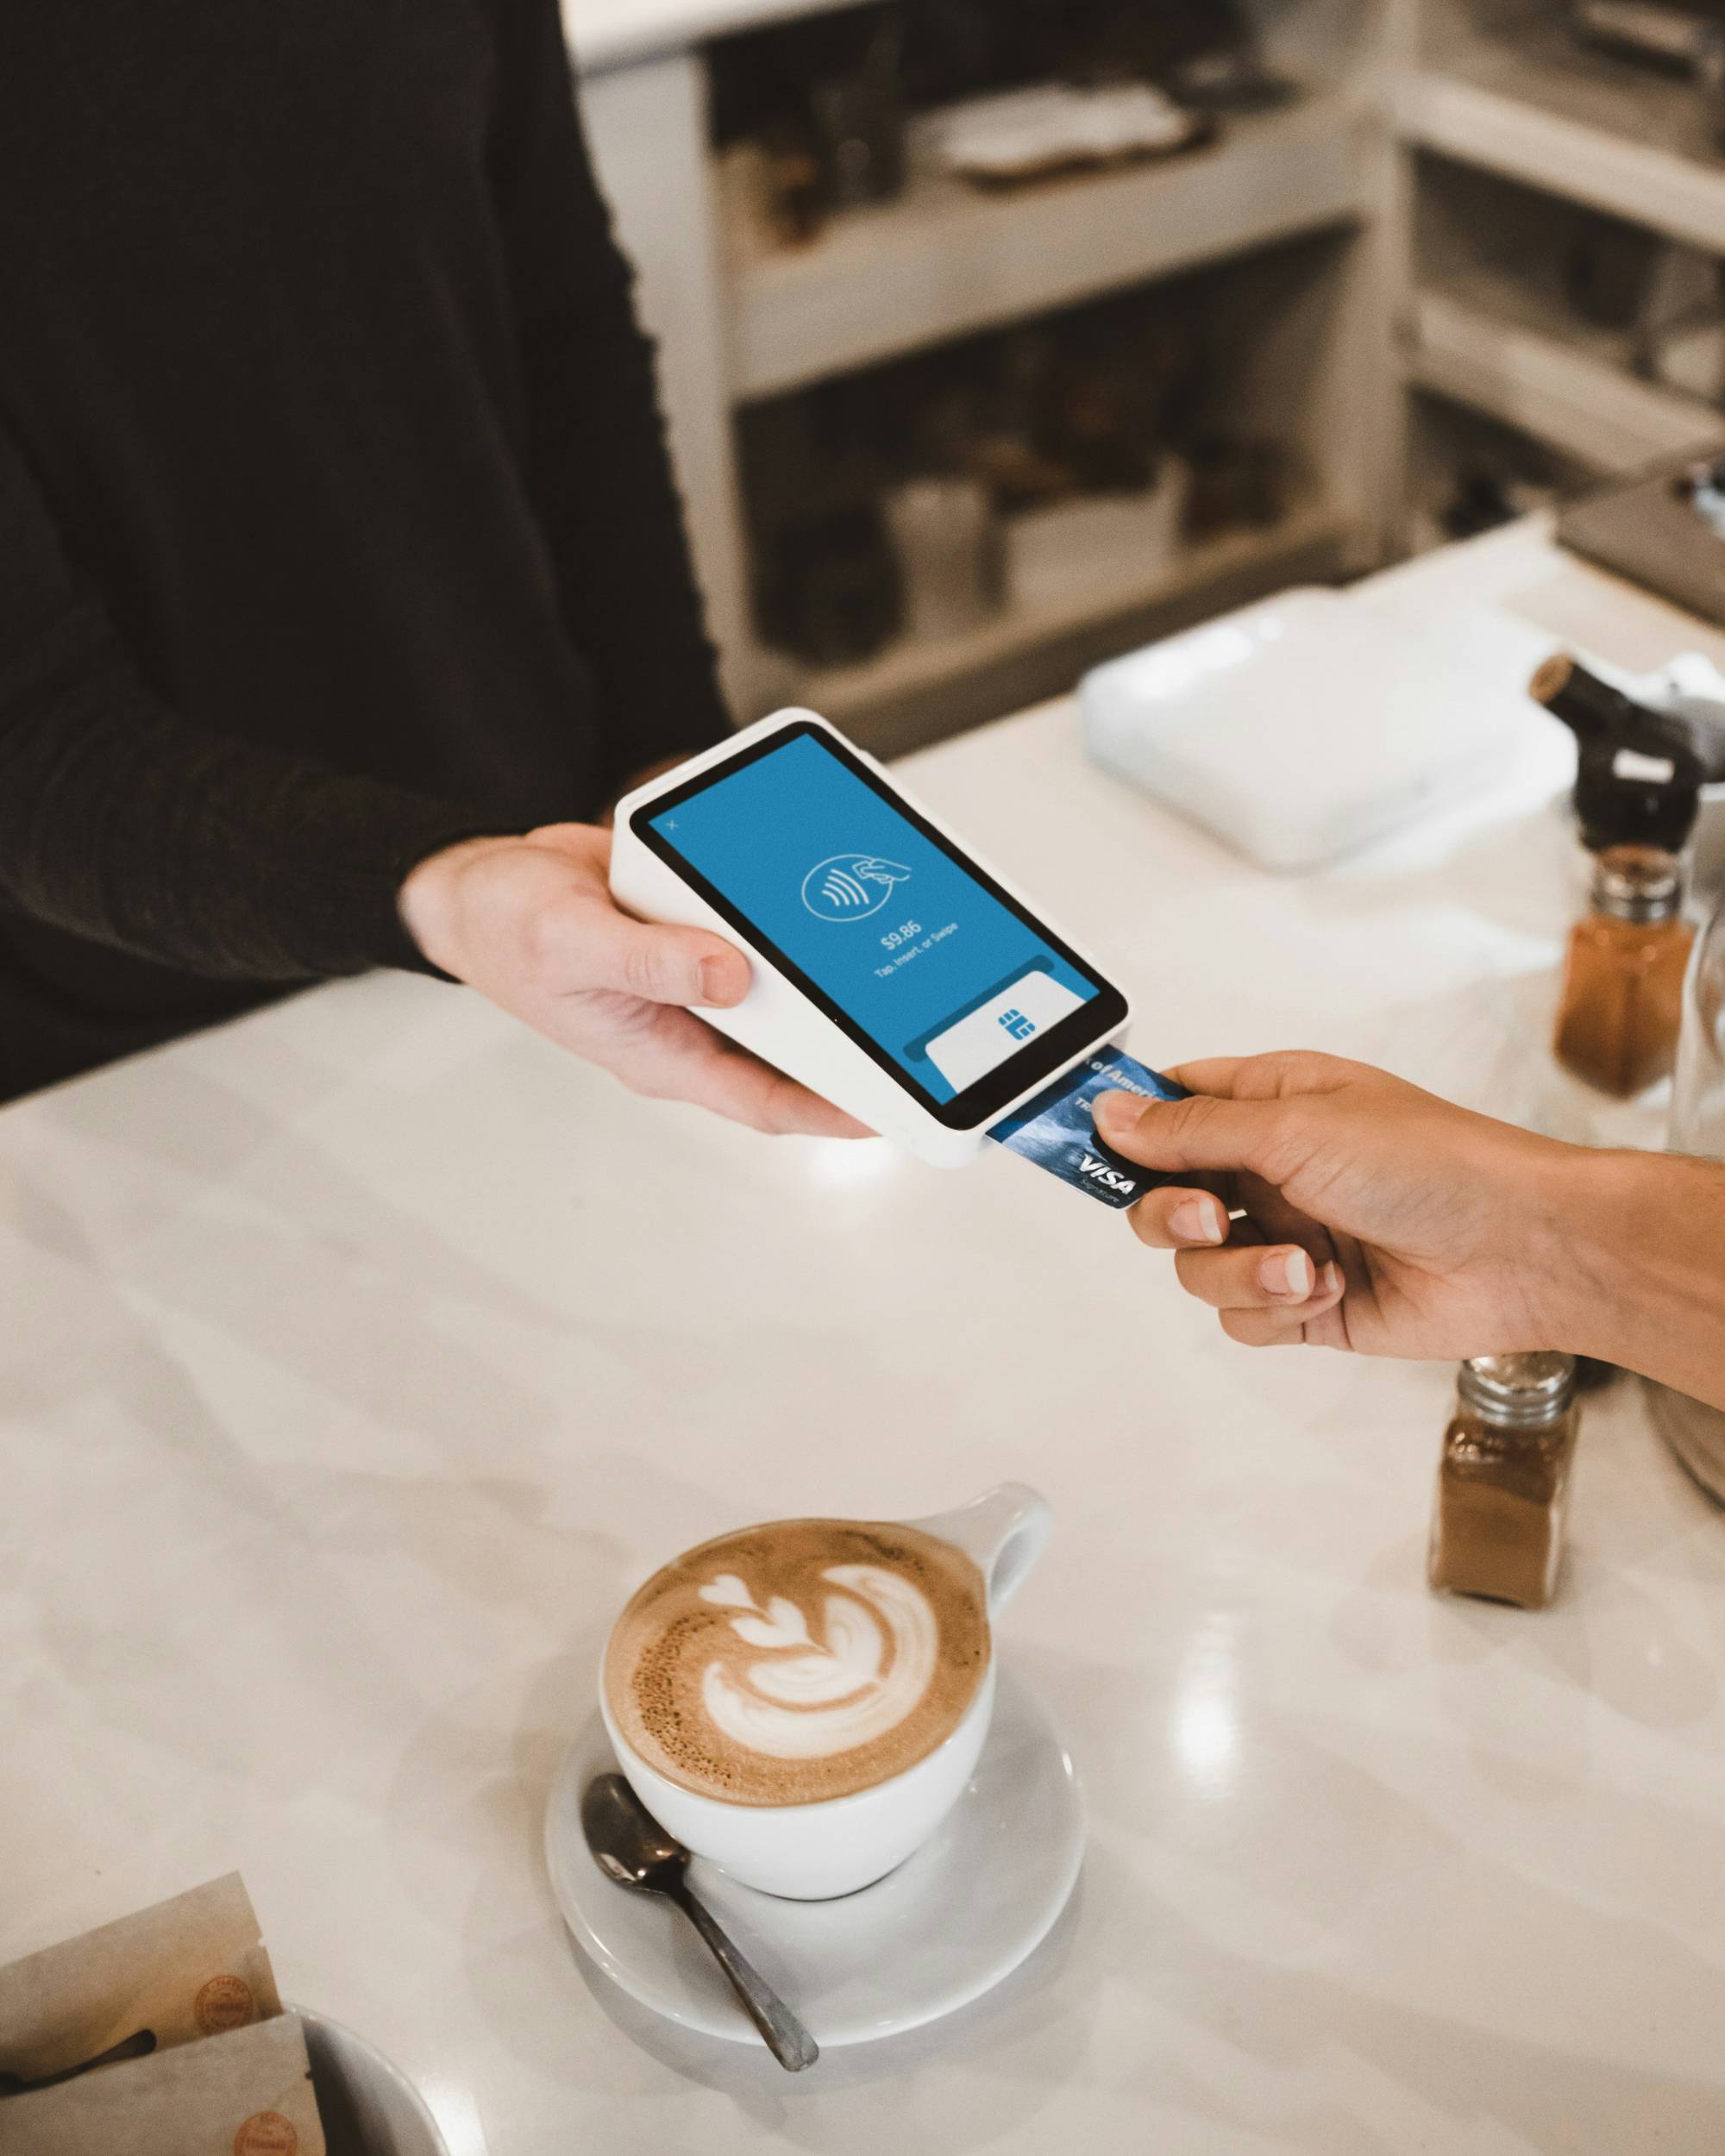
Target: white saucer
{"type": "Point", "coordinates": [937, 1932]}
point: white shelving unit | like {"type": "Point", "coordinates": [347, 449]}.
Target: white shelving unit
{"type": "Point", "coordinates": [1524, 99]}
{"type": "Point", "coordinates": [740, 320]}
{"type": "Point", "coordinates": [1486, 343]}
{"type": "Point", "coordinates": [948, 259]}
{"type": "Point", "coordinates": [1398, 89]}
{"type": "Point", "coordinates": [888, 696]}
{"type": "Point", "coordinates": [1513, 129]}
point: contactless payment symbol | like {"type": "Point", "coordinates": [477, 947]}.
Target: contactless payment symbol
{"type": "Point", "coordinates": [850, 887]}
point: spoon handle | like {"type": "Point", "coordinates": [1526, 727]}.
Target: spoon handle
{"type": "Point", "coordinates": [137, 2046]}
{"type": "Point", "coordinates": [789, 2042]}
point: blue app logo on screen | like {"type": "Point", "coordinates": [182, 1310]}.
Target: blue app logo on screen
{"type": "Point", "coordinates": [946, 980]}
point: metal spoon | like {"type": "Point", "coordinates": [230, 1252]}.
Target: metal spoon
{"type": "Point", "coordinates": [630, 1846]}
{"type": "Point", "coordinates": [138, 2047]}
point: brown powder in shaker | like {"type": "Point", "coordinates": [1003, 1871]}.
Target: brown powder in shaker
{"type": "Point", "coordinates": [1503, 1479]}
{"type": "Point", "coordinates": [1622, 993]}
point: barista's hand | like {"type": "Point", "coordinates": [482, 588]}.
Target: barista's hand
{"type": "Point", "coordinates": [530, 923]}
{"type": "Point", "coordinates": [1377, 1217]}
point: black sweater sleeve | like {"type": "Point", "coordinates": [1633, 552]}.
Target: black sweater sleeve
{"type": "Point", "coordinates": [597, 462]}
{"type": "Point", "coordinates": [123, 822]}
{"type": "Point", "coordinates": [126, 821]}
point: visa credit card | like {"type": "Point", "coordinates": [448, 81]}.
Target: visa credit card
{"type": "Point", "coordinates": [1057, 1129]}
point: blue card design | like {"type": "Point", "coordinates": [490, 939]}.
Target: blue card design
{"type": "Point", "coordinates": [1057, 1129]}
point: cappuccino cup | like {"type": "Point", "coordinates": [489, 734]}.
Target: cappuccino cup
{"type": "Point", "coordinates": [803, 1702]}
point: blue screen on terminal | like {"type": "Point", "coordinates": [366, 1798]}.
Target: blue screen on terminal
{"type": "Point", "coordinates": [928, 962]}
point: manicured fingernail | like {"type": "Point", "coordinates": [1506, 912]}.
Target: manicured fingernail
{"type": "Point", "coordinates": [1330, 1280]}
{"type": "Point", "coordinates": [1288, 1274]}
{"type": "Point", "coordinates": [1116, 1113]}
{"type": "Point", "coordinates": [1197, 1220]}
{"type": "Point", "coordinates": [711, 978]}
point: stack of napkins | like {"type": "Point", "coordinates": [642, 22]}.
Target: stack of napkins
{"type": "Point", "coordinates": [162, 2035]}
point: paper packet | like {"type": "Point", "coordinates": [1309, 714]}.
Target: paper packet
{"type": "Point", "coordinates": [191, 1967]}
{"type": "Point", "coordinates": [247, 2093]}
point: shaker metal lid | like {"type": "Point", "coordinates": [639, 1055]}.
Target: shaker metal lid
{"type": "Point", "coordinates": [1637, 883]}
{"type": "Point", "coordinates": [1530, 1387]}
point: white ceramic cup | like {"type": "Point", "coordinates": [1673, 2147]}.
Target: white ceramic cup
{"type": "Point", "coordinates": [810, 1852]}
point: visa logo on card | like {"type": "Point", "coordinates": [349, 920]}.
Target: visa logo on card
{"type": "Point", "coordinates": [1057, 1129]}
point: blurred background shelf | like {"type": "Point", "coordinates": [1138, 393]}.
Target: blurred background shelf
{"type": "Point", "coordinates": [1565, 329]}
{"type": "Point", "coordinates": [1525, 99]}
{"type": "Point", "coordinates": [609, 34]}
{"type": "Point", "coordinates": [1028, 653]}
{"type": "Point", "coordinates": [1490, 343]}
{"type": "Point", "coordinates": [1469, 263]}
{"type": "Point", "coordinates": [947, 259]}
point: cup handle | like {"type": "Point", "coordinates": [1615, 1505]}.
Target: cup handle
{"type": "Point", "coordinates": [1005, 1530]}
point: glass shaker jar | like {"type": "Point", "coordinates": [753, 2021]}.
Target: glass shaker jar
{"type": "Point", "coordinates": [1498, 1527]}
{"type": "Point", "coordinates": [1696, 1434]}
{"type": "Point", "coordinates": [1622, 992]}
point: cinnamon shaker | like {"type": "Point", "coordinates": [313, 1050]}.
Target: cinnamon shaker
{"type": "Point", "coordinates": [1622, 992]}
{"type": "Point", "coordinates": [1497, 1526]}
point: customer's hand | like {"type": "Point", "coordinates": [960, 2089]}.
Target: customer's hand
{"type": "Point", "coordinates": [530, 923]}
{"type": "Point", "coordinates": [1377, 1217]}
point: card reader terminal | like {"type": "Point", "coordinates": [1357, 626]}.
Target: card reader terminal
{"type": "Point", "coordinates": [893, 973]}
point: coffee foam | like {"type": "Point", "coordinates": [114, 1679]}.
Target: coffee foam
{"type": "Point", "coordinates": [799, 1661]}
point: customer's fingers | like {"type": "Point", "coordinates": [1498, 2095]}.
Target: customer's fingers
{"type": "Point", "coordinates": [1278, 1221]}
{"type": "Point", "coordinates": [1279, 1076]}
{"type": "Point", "coordinates": [1172, 1217]}
{"type": "Point", "coordinates": [1318, 1323]}
{"type": "Point", "coordinates": [1275, 1276]}
{"type": "Point", "coordinates": [1205, 1131]}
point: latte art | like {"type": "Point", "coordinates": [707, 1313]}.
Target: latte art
{"type": "Point", "coordinates": [867, 1675]}
{"type": "Point", "coordinates": [804, 1660]}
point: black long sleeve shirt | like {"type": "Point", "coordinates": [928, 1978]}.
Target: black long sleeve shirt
{"type": "Point", "coordinates": [336, 518]}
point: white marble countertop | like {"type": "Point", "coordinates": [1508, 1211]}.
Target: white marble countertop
{"type": "Point", "coordinates": [612, 33]}
{"type": "Point", "coordinates": [357, 1359]}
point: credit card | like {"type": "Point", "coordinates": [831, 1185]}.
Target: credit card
{"type": "Point", "coordinates": [1057, 1129]}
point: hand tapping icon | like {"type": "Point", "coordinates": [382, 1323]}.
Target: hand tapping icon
{"type": "Point", "coordinates": [852, 886]}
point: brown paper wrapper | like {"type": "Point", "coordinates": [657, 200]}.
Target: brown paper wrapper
{"type": "Point", "coordinates": [245, 2093]}
{"type": "Point", "coordinates": [189, 1968]}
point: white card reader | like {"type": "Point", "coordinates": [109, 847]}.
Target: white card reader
{"type": "Point", "coordinates": [892, 973]}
